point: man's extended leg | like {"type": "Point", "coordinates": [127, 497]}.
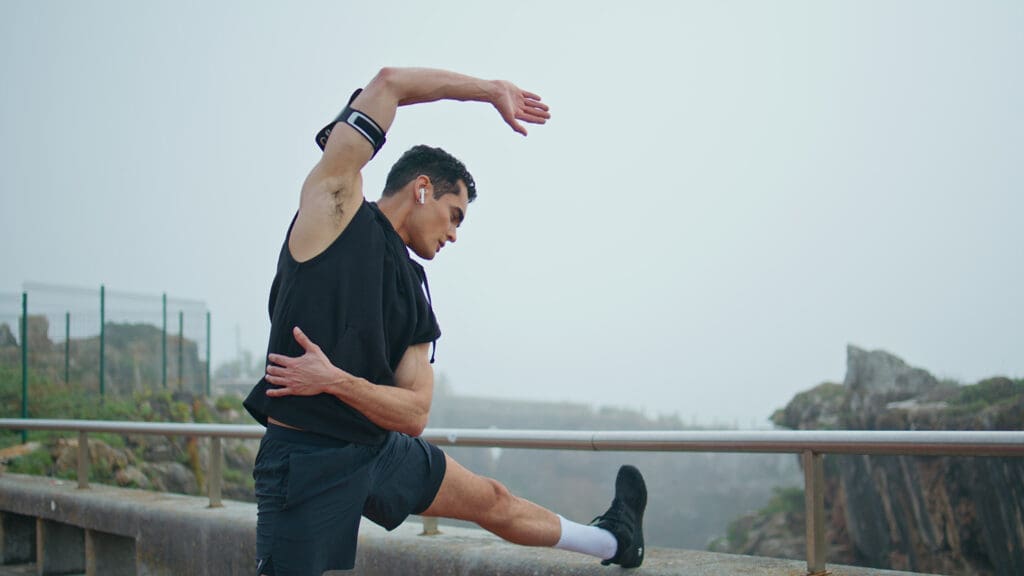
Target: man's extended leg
{"type": "Point", "coordinates": [467, 496]}
{"type": "Point", "coordinates": [616, 538]}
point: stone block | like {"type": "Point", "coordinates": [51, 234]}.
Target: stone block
{"type": "Point", "coordinates": [17, 538]}
{"type": "Point", "coordinates": [60, 548]}
{"type": "Point", "coordinates": [109, 554]}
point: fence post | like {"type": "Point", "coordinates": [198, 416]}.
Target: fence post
{"type": "Point", "coordinates": [83, 459]}
{"type": "Point", "coordinates": [216, 458]}
{"type": "Point", "coordinates": [207, 353]}
{"type": "Point", "coordinates": [814, 509]}
{"type": "Point", "coordinates": [181, 346]}
{"type": "Point", "coordinates": [67, 347]}
{"type": "Point", "coordinates": [103, 330]}
{"type": "Point", "coordinates": [164, 345]}
{"type": "Point", "coordinates": [24, 362]}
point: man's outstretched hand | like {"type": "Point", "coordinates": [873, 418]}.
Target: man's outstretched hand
{"type": "Point", "coordinates": [517, 105]}
{"type": "Point", "coordinates": [306, 375]}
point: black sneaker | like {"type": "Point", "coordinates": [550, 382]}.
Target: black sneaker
{"type": "Point", "coordinates": [625, 518]}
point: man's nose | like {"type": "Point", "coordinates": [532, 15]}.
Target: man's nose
{"type": "Point", "coordinates": [453, 233]}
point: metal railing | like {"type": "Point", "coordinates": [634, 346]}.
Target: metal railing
{"type": "Point", "coordinates": [811, 445]}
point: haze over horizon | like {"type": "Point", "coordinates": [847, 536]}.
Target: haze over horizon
{"type": "Point", "coordinates": [726, 196]}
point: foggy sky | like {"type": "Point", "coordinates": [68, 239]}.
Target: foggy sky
{"type": "Point", "coordinates": [728, 193]}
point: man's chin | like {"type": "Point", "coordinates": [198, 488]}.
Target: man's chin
{"type": "Point", "coordinates": [425, 255]}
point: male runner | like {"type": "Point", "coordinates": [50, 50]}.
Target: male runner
{"type": "Point", "coordinates": [343, 421]}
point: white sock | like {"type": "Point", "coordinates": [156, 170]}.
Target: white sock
{"type": "Point", "coordinates": [586, 539]}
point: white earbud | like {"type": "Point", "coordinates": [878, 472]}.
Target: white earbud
{"type": "Point", "coordinates": [423, 191]}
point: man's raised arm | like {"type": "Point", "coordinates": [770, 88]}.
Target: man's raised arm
{"type": "Point", "coordinates": [333, 190]}
{"type": "Point", "coordinates": [348, 150]}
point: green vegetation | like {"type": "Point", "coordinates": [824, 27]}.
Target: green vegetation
{"type": "Point", "coordinates": [989, 392]}
{"type": "Point", "coordinates": [123, 458]}
{"type": "Point", "coordinates": [235, 476]}
{"type": "Point", "coordinates": [229, 403]}
{"type": "Point", "coordinates": [49, 400]}
{"type": "Point", "coordinates": [994, 396]}
{"type": "Point", "coordinates": [737, 533]}
{"type": "Point", "coordinates": [39, 463]}
{"type": "Point", "coordinates": [813, 405]}
{"type": "Point", "coordinates": [786, 501]}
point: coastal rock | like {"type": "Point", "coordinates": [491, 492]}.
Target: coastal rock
{"type": "Point", "coordinates": [103, 459]}
{"type": "Point", "coordinates": [171, 477]}
{"type": "Point", "coordinates": [132, 477]}
{"type": "Point", "coordinates": [943, 515]}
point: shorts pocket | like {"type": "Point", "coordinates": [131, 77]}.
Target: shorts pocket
{"type": "Point", "coordinates": [343, 471]}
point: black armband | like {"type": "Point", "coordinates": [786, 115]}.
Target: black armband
{"type": "Point", "coordinates": [356, 119]}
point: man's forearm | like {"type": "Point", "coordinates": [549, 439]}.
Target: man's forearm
{"type": "Point", "coordinates": [418, 85]}
{"type": "Point", "coordinates": [389, 407]}
{"type": "Point", "coordinates": [403, 408]}
{"type": "Point", "coordinates": [394, 87]}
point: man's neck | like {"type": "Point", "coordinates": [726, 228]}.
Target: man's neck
{"type": "Point", "coordinates": [396, 211]}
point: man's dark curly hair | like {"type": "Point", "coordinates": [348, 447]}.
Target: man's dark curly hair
{"type": "Point", "coordinates": [443, 169]}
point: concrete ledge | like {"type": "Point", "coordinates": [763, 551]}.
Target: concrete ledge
{"type": "Point", "coordinates": [175, 534]}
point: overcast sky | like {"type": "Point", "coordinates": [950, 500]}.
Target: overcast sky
{"type": "Point", "coordinates": [728, 193]}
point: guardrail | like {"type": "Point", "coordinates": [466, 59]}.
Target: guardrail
{"type": "Point", "coordinates": [811, 445]}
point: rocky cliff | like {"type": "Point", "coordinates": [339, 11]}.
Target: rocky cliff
{"type": "Point", "coordinates": [925, 514]}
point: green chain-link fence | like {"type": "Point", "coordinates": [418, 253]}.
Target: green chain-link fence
{"type": "Point", "coordinates": [103, 342]}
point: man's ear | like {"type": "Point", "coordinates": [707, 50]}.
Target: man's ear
{"type": "Point", "coordinates": [422, 183]}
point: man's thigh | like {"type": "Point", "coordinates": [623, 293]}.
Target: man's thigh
{"type": "Point", "coordinates": [406, 477]}
{"type": "Point", "coordinates": [309, 499]}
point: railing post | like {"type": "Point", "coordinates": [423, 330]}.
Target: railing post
{"type": "Point", "coordinates": [814, 509]}
{"type": "Point", "coordinates": [430, 526]}
{"type": "Point", "coordinates": [83, 459]}
{"type": "Point", "coordinates": [216, 458]}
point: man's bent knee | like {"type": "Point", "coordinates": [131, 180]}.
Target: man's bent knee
{"type": "Point", "coordinates": [468, 496]}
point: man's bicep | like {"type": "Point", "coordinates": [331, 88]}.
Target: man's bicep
{"type": "Point", "coordinates": [348, 149]}
{"type": "Point", "coordinates": [415, 372]}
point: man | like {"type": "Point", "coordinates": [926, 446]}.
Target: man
{"type": "Point", "coordinates": [343, 421]}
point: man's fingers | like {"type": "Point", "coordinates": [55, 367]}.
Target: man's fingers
{"type": "Point", "coordinates": [278, 392]}
{"type": "Point", "coordinates": [509, 116]}
{"type": "Point", "coordinates": [527, 116]}
{"type": "Point", "coordinates": [537, 104]}
{"type": "Point", "coordinates": [533, 112]}
{"type": "Point", "coordinates": [304, 341]}
{"type": "Point", "coordinates": [280, 360]}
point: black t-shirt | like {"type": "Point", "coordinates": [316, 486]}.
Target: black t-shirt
{"type": "Point", "coordinates": [362, 301]}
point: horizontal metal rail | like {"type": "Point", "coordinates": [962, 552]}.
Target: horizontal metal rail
{"type": "Point", "coordinates": [873, 442]}
{"type": "Point", "coordinates": [811, 445]}
{"type": "Point", "coordinates": [126, 427]}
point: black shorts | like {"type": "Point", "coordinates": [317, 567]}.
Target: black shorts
{"type": "Point", "coordinates": [311, 491]}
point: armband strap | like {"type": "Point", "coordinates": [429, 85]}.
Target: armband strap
{"type": "Point", "coordinates": [356, 119]}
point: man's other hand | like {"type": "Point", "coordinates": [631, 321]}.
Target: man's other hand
{"type": "Point", "coordinates": [306, 375]}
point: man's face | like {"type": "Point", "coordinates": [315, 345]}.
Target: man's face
{"type": "Point", "coordinates": [436, 222]}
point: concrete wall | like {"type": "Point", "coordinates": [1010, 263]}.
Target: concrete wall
{"type": "Point", "coordinates": [115, 532]}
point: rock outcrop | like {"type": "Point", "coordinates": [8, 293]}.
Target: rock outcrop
{"type": "Point", "coordinates": [951, 515]}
